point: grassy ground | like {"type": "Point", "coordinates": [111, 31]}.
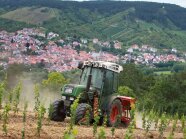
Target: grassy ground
{"type": "Point", "coordinates": [163, 72]}
{"type": "Point", "coordinates": [31, 15]}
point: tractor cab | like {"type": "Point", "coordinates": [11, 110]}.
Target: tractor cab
{"type": "Point", "coordinates": [97, 88]}
{"type": "Point", "coordinates": [104, 76]}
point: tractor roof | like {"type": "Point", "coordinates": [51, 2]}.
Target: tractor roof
{"type": "Point", "coordinates": [102, 64]}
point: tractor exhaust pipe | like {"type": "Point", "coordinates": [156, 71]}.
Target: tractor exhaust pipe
{"type": "Point", "coordinates": [88, 82]}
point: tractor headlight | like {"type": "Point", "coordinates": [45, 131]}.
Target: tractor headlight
{"type": "Point", "coordinates": [68, 90]}
{"type": "Point", "coordinates": [63, 97]}
{"type": "Point", "coordinates": [71, 98]}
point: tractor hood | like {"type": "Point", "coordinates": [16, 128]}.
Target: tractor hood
{"type": "Point", "coordinates": [73, 90]}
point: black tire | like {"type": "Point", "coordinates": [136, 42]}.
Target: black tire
{"type": "Point", "coordinates": [81, 114]}
{"type": "Point", "coordinates": [58, 112]}
{"type": "Point", "coordinates": [114, 113]}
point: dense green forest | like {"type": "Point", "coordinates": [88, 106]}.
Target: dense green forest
{"type": "Point", "coordinates": [6, 24]}
{"type": "Point", "coordinates": [161, 92]}
{"type": "Point", "coordinates": [160, 25]}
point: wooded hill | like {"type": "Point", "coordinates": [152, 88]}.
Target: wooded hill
{"type": "Point", "coordinates": [160, 25]}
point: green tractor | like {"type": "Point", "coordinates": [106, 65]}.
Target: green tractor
{"type": "Point", "coordinates": [98, 95]}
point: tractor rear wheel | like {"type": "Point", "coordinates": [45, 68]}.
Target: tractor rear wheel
{"type": "Point", "coordinates": [58, 112]}
{"type": "Point", "coordinates": [114, 113]}
{"type": "Point", "coordinates": [83, 114]}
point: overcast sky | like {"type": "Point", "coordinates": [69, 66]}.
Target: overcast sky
{"type": "Point", "coordinates": [177, 2]}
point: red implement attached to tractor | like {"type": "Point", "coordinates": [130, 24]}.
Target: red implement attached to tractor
{"type": "Point", "coordinates": [127, 104]}
{"type": "Point", "coordinates": [122, 106]}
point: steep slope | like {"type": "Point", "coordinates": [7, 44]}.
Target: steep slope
{"type": "Point", "coordinates": [160, 25]}
{"type": "Point", "coordinates": [30, 15]}
{"type": "Point", "coordinates": [147, 11]}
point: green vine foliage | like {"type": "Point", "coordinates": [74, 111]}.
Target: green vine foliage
{"type": "Point", "coordinates": [163, 125]}
{"type": "Point", "coordinates": [87, 117]}
{"type": "Point", "coordinates": [24, 120]}
{"type": "Point", "coordinates": [41, 112]}
{"type": "Point", "coordinates": [10, 96]}
{"type": "Point", "coordinates": [101, 133]}
{"type": "Point", "coordinates": [132, 126]}
{"type": "Point", "coordinates": [17, 93]}
{"type": "Point", "coordinates": [149, 121]}
{"type": "Point", "coordinates": [50, 111]}
{"type": "Point", "coordinates": [5, 117]}
{"type": "Point", "coordinates": [3, 86]}
{"type": "Point", "coordinates": [73, 108]}
{"type": "Point", "coordinates": [184, 133]}
{"type": "Point", "coordinates": [144, 120]}
{"type": "Point", "coordinates": [95, 124]}
{"type": "Point", "coordinates": [183, 122]}
{"type": "Point", "coordinates": [70, 135]}
{"type": "Point", "coordinates": [156, 120]}
{"type": "Point", "coordinates": [71, 132]}
{"type": "Point", "coordinates": [36, 97]}
{"type": "Point", "coordinates": [113, 131]}
{"type": "Point", "coordinates": [174, 123]}
{"type": "Point", "coordinates": [2, 91]}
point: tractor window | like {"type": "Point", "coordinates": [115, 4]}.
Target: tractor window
{"type": "Point", "coordinates": [97, 78]}
{"type": "Point", "coordinates": [108, 85]}
{"type": "Point", "coordinates": [84, 76]}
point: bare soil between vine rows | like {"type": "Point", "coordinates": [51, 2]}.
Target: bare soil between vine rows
{"type": "Point", "coordinates": [55, 130]}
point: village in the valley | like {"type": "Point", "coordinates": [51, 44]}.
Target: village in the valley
{"type": "Point", "coordinates": [63, 54]}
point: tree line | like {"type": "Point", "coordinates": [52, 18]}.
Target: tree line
{"type": "Point", "coordinates": [163, 93]}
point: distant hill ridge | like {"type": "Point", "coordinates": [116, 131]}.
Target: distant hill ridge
{"type": "Point", "coordinates": [161, 25]}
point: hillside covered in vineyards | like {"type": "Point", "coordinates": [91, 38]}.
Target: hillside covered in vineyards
{"type": "Point", "coordinates": [160, 25]}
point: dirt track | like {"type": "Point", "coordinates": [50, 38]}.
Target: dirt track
{"type": "Point", "coordinates": [55, 130]}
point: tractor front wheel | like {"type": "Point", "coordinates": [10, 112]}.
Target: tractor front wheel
{"type": "Point", "coordinates": [58, 112]}
{"type": "Point", "coordinates": [83, 114]}
{"type": "Point", "coordinates": [114, 113]}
